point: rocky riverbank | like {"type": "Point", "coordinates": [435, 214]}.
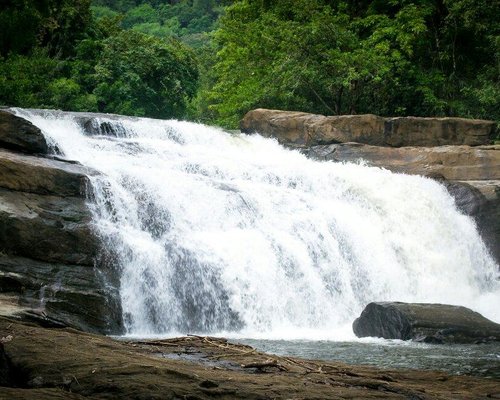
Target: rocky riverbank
{"type": "Point", "coordinates": [40, 363]}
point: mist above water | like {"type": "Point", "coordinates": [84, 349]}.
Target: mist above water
{"type": "Point", "coordinates": [217, 232]}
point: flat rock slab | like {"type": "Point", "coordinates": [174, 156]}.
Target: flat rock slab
{"type": "Point", "coordinates": [461, 163]}
{"type": "Point", "coordinates": [39, 363]}
{"type": "Point", "coordinates": [303, 129]}
{"type": "Point", "coordinates": [430, 323]}
{"type": "Point", "coordinates": [47, 228]}
{"type": "Point", "coordinates": [42, 175]}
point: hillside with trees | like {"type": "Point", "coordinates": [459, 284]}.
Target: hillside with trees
{"type": "Point", "coordinates": [212, 60]}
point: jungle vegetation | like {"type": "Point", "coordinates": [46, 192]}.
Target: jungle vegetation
{"type": "Point", "coordinates": [213, 60]}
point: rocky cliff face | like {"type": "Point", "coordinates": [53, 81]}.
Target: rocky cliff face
{"type": "Point", "coordinates": [48, 249]}
{"type": "Point", "coordinates": [455, 151]}
{"type": "Point", "coordinates": [303, 129]}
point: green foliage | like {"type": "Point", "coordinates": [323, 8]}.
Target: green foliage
{"type": "Point", "coordinates": [66, 60]}
{"type": "Point", "coordinates": [213, 60]}
{"type": "Point", "coordinates": [53, 24]}
{"type": "Point", "coordinates": [183, 19]}
{"type": "Point", "coordinates": [139, 74]}
{"type": "Point", "coordinates": [391, 58]}
{"type": "Point", "coordinates": [37, 81]}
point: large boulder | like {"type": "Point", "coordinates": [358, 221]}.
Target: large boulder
{"type": "Point", "coordinates": [481, 201]}
{"type": "Point", "coordinates": [47, 228]}
{"type": "Point", "coordinates": [21, 135]}
{"type": "Point", "coordinates": [417, 131]}
{"type": "Point", "coordinates": [303, 129]}
{"type": "Point", "coordinates": [431, 323]}
{"type": "Point", "coordinates": [57, 294]}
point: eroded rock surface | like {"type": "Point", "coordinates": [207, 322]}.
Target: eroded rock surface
{"type": "Point", "coordinates": [432, 323]}
{"type": "Point", "coordinates": [303, 129]}
{"type": "Point", "coordinates": [37, 363]}
{"type": "Point", "coordinates": [461, 163]}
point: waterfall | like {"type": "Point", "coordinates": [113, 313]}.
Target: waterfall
{"type": "Point", "coordinates": [219, 232]}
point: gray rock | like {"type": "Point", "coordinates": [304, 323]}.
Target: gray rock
{"type": "Point", "coordinates": [431, 323]}
{"type": "Point", "coordinates": [52, 271]}
{"type": "Point", "coordinates": [58, 295]}
{"type": "Point", "coordinates": [47, 228]}
{"type": "Point", "coordinates": [42, 175]}
{"type": "Point", "coordinates": [480, 200]}
{"type": "Point", "coordinates": [21, 135]}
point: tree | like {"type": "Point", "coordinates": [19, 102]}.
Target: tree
{"type": "Point", "coordinates": [398, 57]}
{"type": "Point", "coordinates": [54, 24]}
{"type": "Point", "coordinates": [139, 74]}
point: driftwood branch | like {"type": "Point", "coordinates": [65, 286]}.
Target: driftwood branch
{"type": "Point", "coordinates": [264, 364]}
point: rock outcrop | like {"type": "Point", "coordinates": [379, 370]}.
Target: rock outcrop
{"type": "Point", "coordinates": [430, 323]}
{"type": "Point", "coordinates": [456, 163]}
{"type": "Point", "coordinates": [48, 248]}
{"type": "Point", "coordinates": [303, 129]}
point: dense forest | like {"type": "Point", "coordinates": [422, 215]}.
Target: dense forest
{"type": "Point", "coordinates": [213, 60]}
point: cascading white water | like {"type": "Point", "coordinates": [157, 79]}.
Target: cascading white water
{"type": "Point", "coordinates": [222, 232]}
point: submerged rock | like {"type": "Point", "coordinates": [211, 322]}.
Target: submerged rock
{"type": "Point", "coordinates": [304, 129]}
{"type": "Point", "coordinates": [430, 323]}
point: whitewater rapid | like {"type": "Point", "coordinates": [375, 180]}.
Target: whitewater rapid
{"type": "Point", "coordinates": [218, 232]}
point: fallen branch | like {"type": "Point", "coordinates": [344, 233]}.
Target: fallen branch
{"type": "Point", "coordinates": [264, 364]}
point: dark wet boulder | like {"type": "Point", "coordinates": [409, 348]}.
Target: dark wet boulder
{"type": "Point", "coordinates": [18, 134]}
{"type": "Point", "coordinates": [430, 323]}
{"type": "Point", "coordinates": [57, 295]}
{"type": "Point", "coordinates": [46, 228]}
